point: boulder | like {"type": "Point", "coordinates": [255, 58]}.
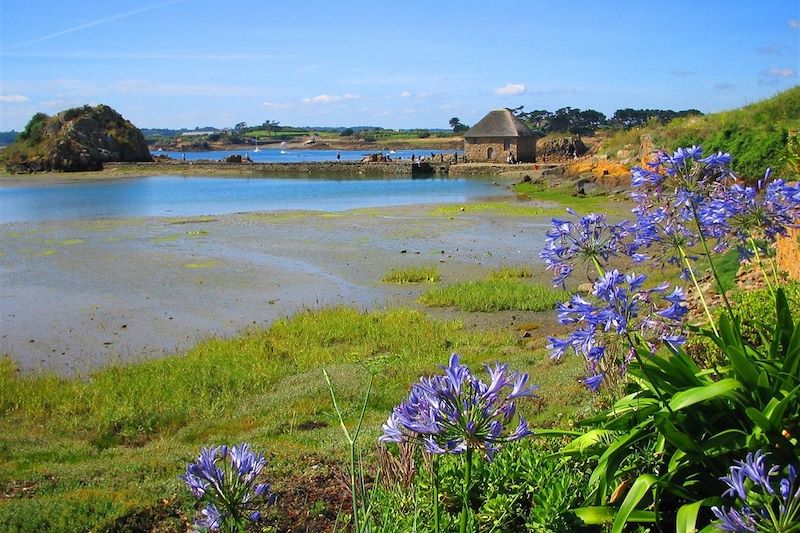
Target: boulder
{"type": "Point", "coordinates": [78, 139]}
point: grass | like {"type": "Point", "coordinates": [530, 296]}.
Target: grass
{"type": "Point", "coordinates": [509, 272]}
{"type": "Point", "coordinates": [494, 295]}
{"type": "Point", "coordinates": [104, 452]}
{"type": "Point", "coordinates": [755, 135]}
{"type": "Point", "coordinates": [500, 208]}
{"type": "Point", "coordinates": [563, 196]}
{"type": "Point", "coordinates": [413, 275]}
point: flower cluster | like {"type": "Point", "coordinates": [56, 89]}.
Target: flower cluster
{"type": "Point", "coordinates": [741, 213]}
{"type": "Point", "coordinates": [624, 309]}
{"type": "Point", "coordinates": [767, 502]}
{"type": "Point", "coordinates": [683, 177]}
{"type": "Point", "coordinates": [455, 411]}
{"type": "Point", "coordinates": [227, 487]}
{"type": "Point", "coordinates": [669, 196]}
{"type": "Point", "coordinates": [589, 239]}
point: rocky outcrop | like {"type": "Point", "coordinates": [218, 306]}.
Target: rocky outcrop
{"type": "Point", "coordinates": [78, 139]}
{"type": "Point", "coordinates": [561, 149]}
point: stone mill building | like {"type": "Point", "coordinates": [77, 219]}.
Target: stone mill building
{"type": "Point", "coordinates": [498, 135]}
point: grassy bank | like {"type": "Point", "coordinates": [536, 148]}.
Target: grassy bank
{"type": "Point", "coordinates": [104, 453]}
{"type": "Point", "coordinates": [497, 294]}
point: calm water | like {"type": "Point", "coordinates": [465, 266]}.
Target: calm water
{"type": "Point", "coordinates": [177, 196]}
{"type": "Point", "coordinates": [276, 155]}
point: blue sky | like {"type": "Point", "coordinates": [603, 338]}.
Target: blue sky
{"type": "Point", "coordinates": [187, 63]}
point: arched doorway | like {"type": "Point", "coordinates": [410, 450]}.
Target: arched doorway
{"type": "Point", "coordinates": [490, 153]}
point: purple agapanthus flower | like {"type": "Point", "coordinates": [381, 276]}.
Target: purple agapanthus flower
{"type": "Point", "coordinates": [737, 214]}
{"type": "Point", "coordinates": [224, 479]}
{"type": "Point", "coordinates": [669, 196]}
{"type": "Point", "coordinates": [621, 308]}
{"type": "Point", "coordinates": [586, 240]}
{"type": "Point", "coordinates": [765, 501]}
{"type": "Point", "coordinates": [449, 413]}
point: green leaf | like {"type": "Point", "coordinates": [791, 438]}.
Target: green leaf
{"type": "Point", "coordinates": [760, 420]}
{"type": "Point", "coordinates": [613, 456]}
{"type": "Point", "coordinates": [587, 440]}
{"type": "Point", "coordinates": [724, 442]}
{"type": "Point", "coordinates": [677, 438]}
{"type": "Point", "coordinates": [695, 395]}
{"type": "Point", "coordinates": [775, 411]}
{"type": "Point", "coordinates": [632, 499]}
{"type": "Point", "coordinates": [785, 325]}
{"type": "Point", "coordinates": [744, 369]}
{"type": "Point", "coordinates": [729, 332]}
{"type": "Point", "coordinates": [687, 517]}
{"type": "Point", "coordinates": [605, 515]}
{"type": "Point", "coordinates": [791, 361]}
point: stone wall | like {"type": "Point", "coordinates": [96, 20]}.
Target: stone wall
{"type": "Point", "coordinates": [526, 149]}
{"type": "Point", "coordinates": [523, 148]}
{"type": "Point", "coordinates": [352, 168]}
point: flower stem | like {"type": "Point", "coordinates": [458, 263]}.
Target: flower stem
{"type": "Point", "coordinates": [699, 291]}
{"type": "Point", "coordinates": [761, 266]}
{"type": "Point", "coordinates": [710, 261]}
{"type": "Point", "coordinates": [435, 495]}
{"type": "Point", "coordinates": [600, 271]}
{"type": "Point", "coordinates": [465, 495]}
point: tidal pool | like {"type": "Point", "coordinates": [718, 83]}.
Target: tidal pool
{"type": "Point", "coordinates": [191, 196]}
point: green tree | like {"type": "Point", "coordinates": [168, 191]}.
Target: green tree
{"type": "Point", "coordinates": [33, 129]}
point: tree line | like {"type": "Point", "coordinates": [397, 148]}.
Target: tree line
{"type": "Point", "coordinates": [575, 120]}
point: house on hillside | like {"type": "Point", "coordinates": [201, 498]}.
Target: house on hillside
{"type": "Point", "coordinates": [498, 135]}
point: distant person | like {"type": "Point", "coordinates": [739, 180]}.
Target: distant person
{"type": "Point", "coordinates": [413, 157]}
{"type": "Point", "coordinates": [338, 156]}
{"type": "Point", "coordinates": [455, 157]}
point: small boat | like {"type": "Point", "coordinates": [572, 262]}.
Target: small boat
{"type": "Point", "coordinates": [256, 148]}
{"type": "Point", "coordinates": [284, 152]}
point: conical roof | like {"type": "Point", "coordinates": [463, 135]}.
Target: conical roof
{"type": "Point", "coordinates": [499, 123]}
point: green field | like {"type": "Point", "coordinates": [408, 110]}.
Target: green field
{"type": "Point", "coordinates": [104, 453]}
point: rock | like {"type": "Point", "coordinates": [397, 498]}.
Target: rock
{"type": "Point", "coordinates": [78, 139]}
{"type": "Point", "coordinates": [590, 188]}
{"type": "Point", "coordinates": [585, 288]}
{"type": "Point", "coordinates": [561, 149]}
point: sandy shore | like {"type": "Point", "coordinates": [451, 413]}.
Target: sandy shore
{"type": "Point", "coordinates": [81, 294]}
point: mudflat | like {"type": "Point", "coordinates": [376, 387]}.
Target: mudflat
{"type": "Point", "coordinates": [77, 295]}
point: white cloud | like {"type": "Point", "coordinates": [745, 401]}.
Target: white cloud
{"type": "Point", "coordinates": [776, 76]}
{"type": "Point", "coordinates": [781, 73]}
{"type": "Point", "coordinates": [724, 86]}
{"type": "Point", "coordinates": [405, 94]}
{"type": "Point", "coordinates": [330, 98]}
{"type": "Point", "coordinates": [511, 89]}
{"type": "Point", "coordinates": [13, 98]}
{"type": "Point", "coordinates": [794, 23]}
